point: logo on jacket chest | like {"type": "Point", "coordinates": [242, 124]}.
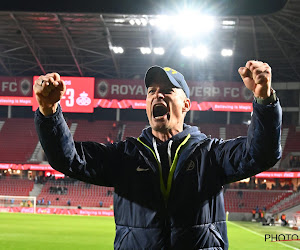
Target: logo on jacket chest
{"type": "Point", "coordinates": [191, 166]}
{"type": "Point", "coordinates": [140, 169]}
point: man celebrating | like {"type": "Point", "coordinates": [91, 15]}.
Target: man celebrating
{"type": "Point", "coordinates": [168, 182]}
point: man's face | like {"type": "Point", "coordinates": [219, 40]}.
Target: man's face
{"type": "Point", "coordinates": [166, 106]}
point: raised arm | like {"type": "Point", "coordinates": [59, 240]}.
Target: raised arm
{"type": "Point", "coordinates": [260, 150]}
{"type": "Point", "coordinates": [87, 161]}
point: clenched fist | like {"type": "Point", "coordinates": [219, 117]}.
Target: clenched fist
{"type": "Point", "coordinates": [49, 89]}
{"type": "Point", "coordinates": [257, 76]}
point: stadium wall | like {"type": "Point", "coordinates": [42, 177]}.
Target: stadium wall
{"type": "Point", "coordinates": [239, 216]}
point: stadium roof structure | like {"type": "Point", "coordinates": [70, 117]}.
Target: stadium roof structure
{"type": "Point", "coordinates": [80, 44]}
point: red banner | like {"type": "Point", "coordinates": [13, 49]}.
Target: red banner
{"type": "Point", "coordinates": [122, 104]}
{"type": "Point", "coordinates": [79, 96]}
{"type": "Point", "coordinates": [52, 210]}
{"type": "Point", "coordinates": [15, 101]}
{"type": "Point", "coordinates": [26, 167]}
{"type": "Point", "coordinates": [15, 86]}
{"type": "Point", "coordinates": [225, 106]}
{"type": "Point", "coordinates": [124, 94]}
{"type": "Point", "coordinates": [199, 91]}
{"type": "Point", "coordinates": [49, 168]}
{"type": "Point", "coordinates": [130, 89]}
{"type": "Point", "coordinates": [278, 175]}
{"type": "Point", "coordinates": [202, 106]}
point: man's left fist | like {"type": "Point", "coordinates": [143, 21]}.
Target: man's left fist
{"type": "Point", "coordinates": [257, 76]}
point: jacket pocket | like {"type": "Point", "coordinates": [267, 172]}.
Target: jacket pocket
{"type": "Point", "coordinates": [205, 236]}
{"type": "Point", "coordinates": [215, 232]}
{"type": "Point", "coordinates": [121, 233]}
{"type": "Point", "coordinates": [139, 238]}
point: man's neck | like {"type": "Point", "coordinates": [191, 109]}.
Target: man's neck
{"type": "Point", "coordinates": [165, 135]}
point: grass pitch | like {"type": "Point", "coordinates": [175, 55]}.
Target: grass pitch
{"type": "Point", "coordinates": [249, 235]}
{"type": "Point", "coordinates": [60, 232]}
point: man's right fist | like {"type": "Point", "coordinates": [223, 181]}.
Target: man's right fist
{"type": "Point", "coordinates": [49, 89]}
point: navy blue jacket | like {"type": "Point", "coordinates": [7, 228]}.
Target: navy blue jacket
{"type": "Point", "coordinates": [190, 213]}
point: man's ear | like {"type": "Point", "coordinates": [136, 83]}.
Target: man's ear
{"type": "Point", "coordinates": [187, 105]}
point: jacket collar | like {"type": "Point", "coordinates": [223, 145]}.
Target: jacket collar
{"type": "Point", "coordinates": [146, 135]}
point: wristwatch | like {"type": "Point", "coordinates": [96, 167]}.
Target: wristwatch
{"type": "Point", "coordinates": [271, 99]}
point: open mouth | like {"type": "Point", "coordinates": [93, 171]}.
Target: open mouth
{"type": "Point", "coordinates": [159, 111]}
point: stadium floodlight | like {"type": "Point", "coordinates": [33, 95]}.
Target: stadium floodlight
{"type": "Point", "coordinates": [190, 23]}
{"type": "Point", "coordinates": [201, 52]}
{"type": "Point", "coordinates": [187, 51]}
{"type": "Point", "coordinates": [226, 52]}
{"type": "Point", "coordinates": [163, 22]}
{"type": "Point", "coordinates": [121, 50]}
{"type": "Point", "coordinates": [119, 20]}
{"type": "Point", "coordinates": [138, 21]}
{"type": "Point", "coordinates": [152, 22]}
{"type": "Point", "coordinates": [225, 27]}
{"type": "Point", "coordinates": [143, 21]}
{"type": "Point", "coordinates": [159, 51]}
{"type": "Point", "coordinates": [118, 50]}
{"type": "Point", "coordinates": [228, 22]}
{"type": "Point", "coordinates": [186, 24]}
{"type": "Point", "coordinates": [145, 50]}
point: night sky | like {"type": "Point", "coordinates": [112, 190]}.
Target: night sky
{"type": "Point", "coordinates": [213, 7]}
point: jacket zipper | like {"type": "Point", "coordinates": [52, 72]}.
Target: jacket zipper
{"type": "Point", "coordinates": [166, 190]}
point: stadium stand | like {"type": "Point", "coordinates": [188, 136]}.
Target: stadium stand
{"type": "Point", "coordinates": [290, 201]}
{"type": "Point", "coordinates": [292, 142]}
{"type": "Point", "coordinates": [18, 139]}
{"type": "Point", "coordinates": [210, 129]}
{"type": "Point", "coordinates": [15, 187]}
{"type": "Point", "coordinates": [223, 131]}
{"type": "Point", "coordinates": [133, 128]}
{"type": "Point", "coordinates": [214, 130]}
{"type": "Point", "coordinates": [244, 200]}
{"type": "Point", "coordinates": [235, 130]}
{"type": "Point", "coordinates": [95, 131]}
{"type": "Point", "coordinates": [79, 193]}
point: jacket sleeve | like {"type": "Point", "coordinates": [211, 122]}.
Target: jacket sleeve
{"type": "Point", "coordinates": [243, 157]}
{"type": "Point", "coordinates": [91, 162]}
